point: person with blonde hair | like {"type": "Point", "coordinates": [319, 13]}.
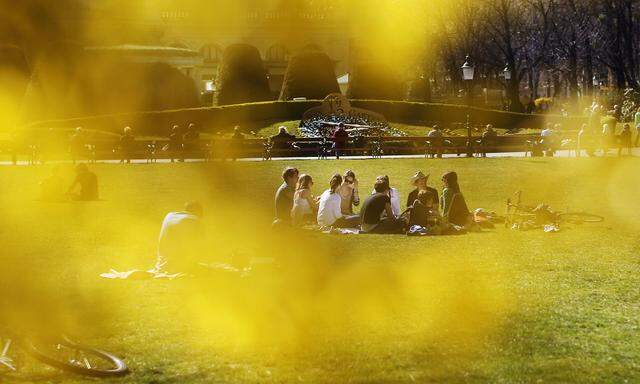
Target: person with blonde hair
{"type": "Point", "coordinates": [304, 203]}
{"type": "Point", "coordinates": [329, 207]}
{"type": "Point", "coordinates": [348, 192]}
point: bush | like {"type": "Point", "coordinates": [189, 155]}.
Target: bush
{"type": "Point", "coordinates": [309, 74]}
{"type": "Point", "coordinates": [81, 83]}
{"type": "Point", "coordinates": [374, 81]}
{"type": "Point", "coordinates": [242, 77]}
{"type": "Point", "coordinates": [420, 90]}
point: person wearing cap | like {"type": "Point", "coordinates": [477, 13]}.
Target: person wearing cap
{"type": "Point", "coordinates": [181, 239]}
{"type": "Point", "coordinates": [419, 180]}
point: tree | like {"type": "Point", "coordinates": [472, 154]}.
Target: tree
{"type": "Point", "coordinates": [309, 74]}
{"type": "Point", "coordinates": [242, 77]}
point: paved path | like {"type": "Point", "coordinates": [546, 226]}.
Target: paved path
{"type": "Point", "coordinates": [635, 152]}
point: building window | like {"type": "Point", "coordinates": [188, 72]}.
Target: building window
{"type": "Point", "coordinates": [211, 53]}
{"type": "Point", "coordinates": [277, 52]}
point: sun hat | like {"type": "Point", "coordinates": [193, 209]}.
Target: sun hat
{"type": "Point", "coordinates": [418, 176]}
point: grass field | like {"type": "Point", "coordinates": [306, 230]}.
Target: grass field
{"type": "Point", "coordinates": [498, 306]}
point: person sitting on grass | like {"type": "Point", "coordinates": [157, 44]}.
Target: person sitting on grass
{"type": "Point", "coordinates": [377, 206]}
{"type": "Point", "coordinates": [305, 205]}
{"type": "Point", "coordinates": [454, 207]}
{"type": "Point", "coordinates": [422, 213]}
{"type": "Point", "coordinates": [348, 192]}
{"type": "Point", "coordinates": [394, 195]}
{"type": "Point", "coordinates": [52, 188]}
{"type": "Point", "coordinates": [88, 182]}
{"type": "Point", "coordinates": [419, 180]}
{"type": "Point", "coordinates": [284, 196]}
{"type": "Point", "coordinates": [181, 239]}
{"type": "Point", "coordinates": [329, 208]}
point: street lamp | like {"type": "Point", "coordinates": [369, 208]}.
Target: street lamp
{"type": "Point", "coordinates": [468, 71]}
{"type": "Point", "coordinates": [507, 72]}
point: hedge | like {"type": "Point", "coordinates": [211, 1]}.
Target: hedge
{"type": "Point", "coordinates": [242, 77]}
{"type": "Point", "coordinates": [372, 80]}
{"type": "Point", "coordinates": [225, 117]}
{"type": "Point", "coordinates": [310, 75]}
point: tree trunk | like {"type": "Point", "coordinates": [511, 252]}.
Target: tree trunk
{"type": "Point", "coordinates": [587, 81]}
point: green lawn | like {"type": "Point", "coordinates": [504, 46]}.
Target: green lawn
{"type": "Point", "coordinates": [499, 306]}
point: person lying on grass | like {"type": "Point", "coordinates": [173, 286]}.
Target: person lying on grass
{"type": "Point", "coordinates": [329, 208]}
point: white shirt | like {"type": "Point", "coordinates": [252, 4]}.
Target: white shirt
{"type": "Point", "coordinates": [395, 201]}
{"type": "Point", "coordinates": [179, 237]}
{"type": "Point", "coordinates": [329, 208]}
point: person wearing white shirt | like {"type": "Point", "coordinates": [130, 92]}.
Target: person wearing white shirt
{"type": "Point", "coordinates": [394, 195]}
{"type": "Point", "coordinates": [181, 240]}
{"type": "Point", "coordinates": [329, 208]}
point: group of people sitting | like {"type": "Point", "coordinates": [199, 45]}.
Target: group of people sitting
{"type": "Point", "coordinates": [380, 212]}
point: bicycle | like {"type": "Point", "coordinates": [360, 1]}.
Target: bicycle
{"type": "Point", "coordinates": [518, 215]}
{"type": "Point", "coordinates": [64, 354]}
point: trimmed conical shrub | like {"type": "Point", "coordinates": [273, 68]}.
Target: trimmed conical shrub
{"type": "Point", "coordinates": [309, 74]}
{"type": "Point", "coordinates": [242, 76]}
{"type": "Point", "coordinates": [374, 81]}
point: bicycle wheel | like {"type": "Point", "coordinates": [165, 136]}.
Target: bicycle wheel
{"type": "Point", "coordinates": [75, 358]}
{"type": "Point", "coordinates": [580, 217]}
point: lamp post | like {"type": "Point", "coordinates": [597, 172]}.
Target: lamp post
{"type": "Point", "coordinates": [468, 71]}
{"type": "Point", "coordinates": [507, 79]}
